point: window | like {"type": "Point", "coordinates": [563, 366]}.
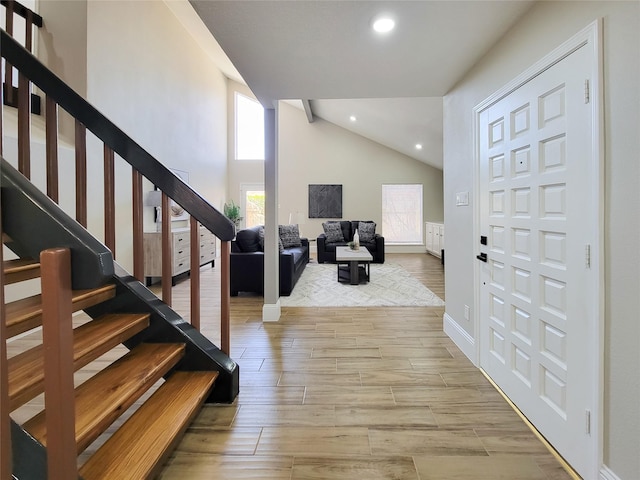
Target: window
{"type": "Point", "coordinates": [249, 128]}
{"type": "Point", "coordinates": [402, 214]}
{"type": "Point", "coordinates": [252, 204]}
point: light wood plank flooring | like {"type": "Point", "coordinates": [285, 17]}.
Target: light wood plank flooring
{"type": "Point", "coordinates": [344, 393]}
{"type": "Point", "coordinates": [353, 393]}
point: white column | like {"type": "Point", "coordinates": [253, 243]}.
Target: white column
{"type": "Point", "coordinates": [271, 307]}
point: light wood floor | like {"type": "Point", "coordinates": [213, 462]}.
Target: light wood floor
{"type": "Point", "coordinates": [353, 393]}
{"type": "Point", "coordinates": [344, 393]}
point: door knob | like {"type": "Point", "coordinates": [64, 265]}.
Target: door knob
{"type": "Point", "coordinates": [482, 257]}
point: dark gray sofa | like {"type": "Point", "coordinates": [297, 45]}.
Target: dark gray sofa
{"type": "Point", "coordinates": [327, 250]}
{"type": "Point", "coordinates": [246, 263]}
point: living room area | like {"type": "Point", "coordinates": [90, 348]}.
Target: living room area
{"type": "Point", "coordinates": [321, 154]}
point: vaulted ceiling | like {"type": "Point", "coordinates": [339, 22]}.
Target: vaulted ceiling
{"type": "Point", "coordinates": [326, 52]}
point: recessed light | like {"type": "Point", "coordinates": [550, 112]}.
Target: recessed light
{"type": "Point", "coordinates": [418, 146]}
{"type": "Point", "coordinates": [383, 24]}
{"type": "Point", "coordinates": [353, 118]}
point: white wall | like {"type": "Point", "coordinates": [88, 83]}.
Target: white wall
{"type": "Point", "coordinates": [149, 76]}
{"type": "Point", "coordinates": [321, 152]}
{"type": "Point", "coordinates": [245, 171]}
{"type": "Point", "coordinates": [62, 46]}
{"type": "Point", "coordinates": [138, 65]}
{"type": "Point", "coordinates": [545, 27]}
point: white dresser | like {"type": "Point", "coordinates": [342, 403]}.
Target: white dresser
{"type": "Point", "coordinates": [180, 252]}
{"type": "Point", "coordinates": [435, 238]}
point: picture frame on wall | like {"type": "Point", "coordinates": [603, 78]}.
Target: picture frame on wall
{"type": "Point", "coordinates": [325, 201]}
{"type": "Point", "coordinates": [177, 213]}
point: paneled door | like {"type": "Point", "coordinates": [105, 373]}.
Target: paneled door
{"type": "Point", "coordinates": [537, 226]}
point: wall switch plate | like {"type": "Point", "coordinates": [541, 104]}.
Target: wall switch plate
{"type": "Point", "coordinates": [466, 312]}
{"type": "Point", "coordinates": [462, 198]}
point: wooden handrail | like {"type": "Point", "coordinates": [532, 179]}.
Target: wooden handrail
{"type": "Point", "coordinates": [115, 141]}
{"type": "Point", "coordinates": [57, 336]}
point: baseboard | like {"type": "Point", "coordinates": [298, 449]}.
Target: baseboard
{"type": "Point", "coordinates": [607, 474]}
{"type": "Point", "coordinates": [465, 342]}
{"type": "Point", "coordinates": [405, 249]}
{"type": "Point", "coordinates": [271, 312]}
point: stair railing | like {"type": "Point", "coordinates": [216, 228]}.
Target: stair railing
{"type": "Point", "coordinates": [59, 95]}
{"type": "Point", "coordinates": [143, 165]}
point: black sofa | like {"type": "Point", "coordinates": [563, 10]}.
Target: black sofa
{"type": "Point", "coordinates": [327, 250]}
{"type": "Point", "coordinates": [246, 263]}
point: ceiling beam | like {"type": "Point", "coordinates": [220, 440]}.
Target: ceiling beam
{"type": "Point", "coordinates": [307, 109]}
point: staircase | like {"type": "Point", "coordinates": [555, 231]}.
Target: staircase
{"type": "Point", "coordinates": [141, 444]}
{"type": "Point", "coordinates": [165, 354]}
{"type": "Point", "coordinates": [124, 420]}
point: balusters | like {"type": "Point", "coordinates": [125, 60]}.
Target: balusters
{"type": "Point", "coordinates": [28, 34]}
{"type": "Point", "coordinates": [109, 201]}
{"type": "Point", "coordinates": [13, 8]}
{"type": "Point", "coordinates": [81, 173]}
{"type": "Point", "coordinates": [138, 234]}
{"type": "Point", "coordinates": [167, 260]}
{"type": "Point", "coordinates": [23, 99]}
{"type": "Point", "coordinates": [51, 134]}
{"type": "Point", "coordinates": [24, 127]}
{"type": "Point", "coordinates": [195, 273]}
{"type": "Point", "coordinates": [24, 85]}
{"type": "Point", "coordinates": [225, 297]}
{"type": "Point", "coordinates": [8, 69]}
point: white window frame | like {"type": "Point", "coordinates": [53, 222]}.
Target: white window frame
{"type": "Point", "coordinates": [411, 216]}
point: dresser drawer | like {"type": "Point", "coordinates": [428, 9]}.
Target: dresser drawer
{"type": "Point", "coordinates": [180, 251]}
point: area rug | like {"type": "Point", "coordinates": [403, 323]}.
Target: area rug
{"type": "Point", "coordinates": [390, 285]}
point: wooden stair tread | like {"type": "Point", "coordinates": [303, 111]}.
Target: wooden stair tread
{"type": "Point", "coordinates": [104, 397]}
{"type": "Point", "coordinates": [91, 340]}
{"type": "Point", "coordinates": [25, 314]}
{"type": "Point", "coordinates": [19, 270]}
{"type": "Point", "coordinates": [138, 448]}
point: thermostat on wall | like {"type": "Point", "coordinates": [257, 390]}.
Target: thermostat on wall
{"type": "Point", "coordinates": [462, 198]}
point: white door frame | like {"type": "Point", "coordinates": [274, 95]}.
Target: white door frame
{"type": "Point", "coordinates": [591, 38]}
{"type": "Point", "coordinates": [244, 188]}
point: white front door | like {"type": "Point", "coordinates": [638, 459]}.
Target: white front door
{"type": "Point", "coordinates": [536, 293]}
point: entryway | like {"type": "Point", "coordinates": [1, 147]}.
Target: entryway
{"type": "Point", "coordinates": [538, 244]}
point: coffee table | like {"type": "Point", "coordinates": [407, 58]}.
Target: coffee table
{"type": "Point", "coordinates": [349, 261]}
